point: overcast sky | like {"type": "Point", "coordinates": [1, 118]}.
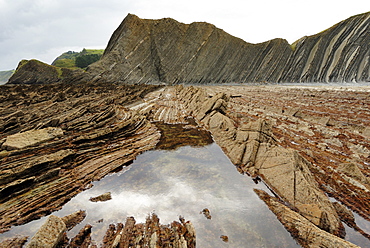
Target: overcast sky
{"type": "Point", "coordinates": [43, 29]}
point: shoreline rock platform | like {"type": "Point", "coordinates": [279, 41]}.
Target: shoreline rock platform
{"type": "Point", "coordinates": [295, 147]}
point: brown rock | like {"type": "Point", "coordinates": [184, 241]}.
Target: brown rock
{"type": "Point", "coordinates": [206, 213]}
{"type": "Point", "coordinates": [224, 238]}
{"type": "Point", "coordinates": [16, 242]}
{"type": "Point", "coordinates": [103, 197]}
{"type": "Point", "coordinates": [50, 233]}
{"type": "Point", "coordinates": [352, 170]}
{"type": "Point", "coordinates": [31, 138]}
{"type": "Point", "coordinates": [345, 214]}
{"type": "Point", "coordinates": [306, 233]}
{"type": "Point", "coordinates": [73, 219]}
{"type": "Point", "coordinates": [82, 239]}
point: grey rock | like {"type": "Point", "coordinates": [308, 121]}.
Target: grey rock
{"type": "Point", "coordinates": [143, 51]}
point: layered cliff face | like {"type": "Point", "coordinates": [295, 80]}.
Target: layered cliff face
{"type": "Point", "coordinates": [338, 54]}
{"type": "Point", "coordinates": [172, 52]}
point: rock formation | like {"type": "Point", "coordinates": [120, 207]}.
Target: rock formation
{"type": "Point", "coordinates": [150, 234]}
{"type": "Point", "coordinates": [50, 233]}
{"type": "Point", "coordinates": [167, 51]}
{"type": "Point", "coordinates": [307, 234]}
{"type": "Point", "coordinates": [56, 139]}
{"type": "Point", "coordinates": [142, 51]}
{"type": "Point", "coordinates": [281, 142]}
{"type": "Point", "coordinates": [36, 72]}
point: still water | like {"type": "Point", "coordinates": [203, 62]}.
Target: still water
{"type": "Point", "coordinates": [181, 182]}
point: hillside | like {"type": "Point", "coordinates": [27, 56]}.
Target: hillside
{"type": "Point", "coordinates": [73, 60]}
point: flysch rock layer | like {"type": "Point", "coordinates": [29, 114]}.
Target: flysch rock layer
{"type": "Point", "coordinates": [325, 125]}
{"type": "Point", "coordinates": [307, 234]}
{"type": "Point", "coordinates": [142, 51]}
{"type": "Point", "coordinates": [149, 234]}
{"type": "Point", "coordinates": [31, 138]}
{"type": "Point", "coordinates": [63, 137]}
{"type": "Point", "coordinates": [250, 133]}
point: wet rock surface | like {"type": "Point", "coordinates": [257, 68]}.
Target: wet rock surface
{"type": "Point", "coordinates": [307, 234]}
{"type": "Point", "coordinates": [58, 138]}
{"type": "Point", "coordinates": [150, 234]}
{"type": "Point", "coordinates": [304, 143]}
{"type": "Point", "coordinates": [103, 197]}
{"type": "Point", "coordinates": [272, 138]}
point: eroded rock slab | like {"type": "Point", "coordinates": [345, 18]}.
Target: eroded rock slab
{"type": "Point", "coordinates": [50, 234]}
{"type": "Point", "coordinates": [306, 233]}
{"type": "Point", "coordinates": [103, 197]}
{"type": "Point", "coordinates": [249, 133]}
{"type": "Point", "coordinates": [31, 138]}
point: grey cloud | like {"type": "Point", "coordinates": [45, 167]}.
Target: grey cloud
{"type": "Point", "coordinates": [43, 29]}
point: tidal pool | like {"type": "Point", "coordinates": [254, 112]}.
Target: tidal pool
{"type": "Point", "coordinates": [180, 182]}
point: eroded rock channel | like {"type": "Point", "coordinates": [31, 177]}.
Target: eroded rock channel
{"type": "Point", "coordinates": [54, 146]}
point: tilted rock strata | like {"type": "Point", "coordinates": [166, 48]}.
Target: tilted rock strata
{"type": "Point", "coordinates": [99, 135]}
{"type": "Point", "coordinates": [259, 135]}
{"type": "Point", "coordinates": [252, 148]}
{"type": "Point", "coordinates": [325, 125]}
{"type": "Point", "coordinates": [338, 54]}
{"type": "Point", "coordinates": [150, 234]}
{"type": "Point", "coordinates": [307, 234]}
{"type": "Point", "coordinates": [168, 51]}
{"type": "Point", "coordinates": [172, 52]}
{"type": "Point", "coordinates": [36, 72]}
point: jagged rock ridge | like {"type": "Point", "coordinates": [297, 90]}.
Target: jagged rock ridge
{"type": "Point", "coordinates": [168, 51]}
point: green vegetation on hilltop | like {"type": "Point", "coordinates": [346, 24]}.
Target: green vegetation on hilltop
{"type": "Point", "coordinates": [5, 75]}
{"type": "Point", "coordinates": [81, 59]}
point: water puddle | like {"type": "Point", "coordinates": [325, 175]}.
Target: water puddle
{"type": "Point", "coordinates": [354, 236]}
{"type": "Point", "coordinates": [180, 182]}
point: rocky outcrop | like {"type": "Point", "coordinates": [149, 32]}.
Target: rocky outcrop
{"type": "Point", "coordinates": [167, 51]}
{"type": "Point", "coordinates": [37, 72]}
{"type": "Point", "coordinates": [172, 52]}
{"type": "Point", "coordinates": [252, 147]}
{"type": "Point", "coordinates": [143, 51]}
{"type": "Point", "coordinates": [103, 197]}
{"type": "Point", "coordinates": [273, 139]}
{"type": "Point", "coordinates": [56, 139]}
{"type": "Point", "coordinates": [307, 234]}
{"type": "Point", "coordinates": [50, 234]}
{"type": "Point", "coordinates": [151, 234]}
{"type": "Point", "coordinates": [338, 54]}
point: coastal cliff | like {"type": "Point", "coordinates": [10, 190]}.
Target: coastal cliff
{"type": "Point", "coordinates": [145, 51]}
{"type": "Point", "coordinates": [338, 54]}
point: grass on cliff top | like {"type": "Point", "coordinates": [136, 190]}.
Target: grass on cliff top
{"type": "Point", "coordinates": [68, 59]}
